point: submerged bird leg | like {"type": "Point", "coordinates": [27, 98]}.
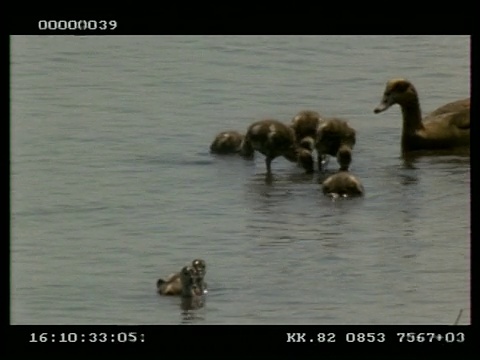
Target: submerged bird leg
{"type": "Point", "coordinates": [322, 161]}
{"type": "Point", "coordinates": [268, 161]}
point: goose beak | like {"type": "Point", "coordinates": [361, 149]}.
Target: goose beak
{"type": "Point", "coordinates": [381, 107]}
{"type": "Point", "coordinates": [384, 105]}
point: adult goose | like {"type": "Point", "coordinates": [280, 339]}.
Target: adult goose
{"type": "Point", "coordinates": [273, 138]}
{"type": "Point", "coordinates": [445, 128]}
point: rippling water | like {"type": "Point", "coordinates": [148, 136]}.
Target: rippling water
{"type": "Point", "coordinates": [112, 184]}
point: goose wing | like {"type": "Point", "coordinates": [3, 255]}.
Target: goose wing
{"type": "Point", "coordinates": [461, 119]}
{"type": "Point", "coordinates": [452, 107]}
{"type": "Point", "coordinates": [455, 114]}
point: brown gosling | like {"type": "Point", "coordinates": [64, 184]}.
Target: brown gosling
{"type": "Point", "coordinates": [201, 267]}
{"type": "Point", "coordinates": [305, 123]}
{"type": "Point", "coordinates": [332, 134]}
{"type": "Point", "coordinates": [185, 284]}
{"type": "Point", "coordinates": [272, 138]}
{"type": "Point", "coordinates": [343, 183]}
{"type": "Point", "coordinates": [189, 280]}
{"type": "Point", "coordinates": [227, 142]}
{"type": "Point", "coordinates": [173, 284]}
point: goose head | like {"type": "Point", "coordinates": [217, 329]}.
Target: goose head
{"type": "Point", "coordinates": [397, 91]}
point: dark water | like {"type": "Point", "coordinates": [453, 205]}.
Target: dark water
{"type": "Point", "coordinates": [113, 185]}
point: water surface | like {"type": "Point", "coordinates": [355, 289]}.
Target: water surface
{"type": "Point", "coordinates": [112, 184]}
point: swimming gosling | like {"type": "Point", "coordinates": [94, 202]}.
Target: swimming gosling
{"type": "Point", "coordinates": [332, 134]}
{"type": "Point", "coordinates": [227, 142]}
{"type": "Point", "coordinates": [185, 284]}
{"type": "Point", "coordinates": [173, 284]}
{"type": "Point", "coordinates": [305, 123]}
{"type": "Point", "coordinates": [201, 267]}
{"type": "Point", "coordinates": [445, 128]}
{"type": "Point", "coordinates": [343, 183]}
{"type": "Point", "coordinates": [192, 295]}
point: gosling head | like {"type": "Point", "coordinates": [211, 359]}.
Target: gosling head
{"type": "Point", "coordinates": [344, 157]}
